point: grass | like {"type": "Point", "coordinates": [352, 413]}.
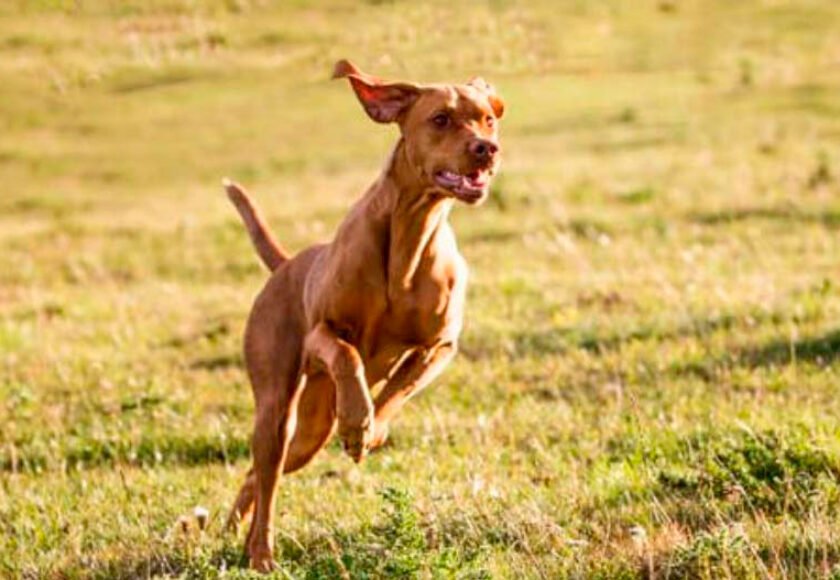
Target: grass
{"type": "Point", "coordinates": [648, 380]}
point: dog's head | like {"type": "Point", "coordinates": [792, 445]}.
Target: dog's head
{"type": "Point", "coordinates": [450, 131]}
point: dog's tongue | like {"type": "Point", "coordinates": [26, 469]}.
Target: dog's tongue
{"type": "Point", "coordinates": [450, 177]}
{"type": "Point", "coordinates": [471, 184]}
{"type": "Point", "coordinates": [477, 178]}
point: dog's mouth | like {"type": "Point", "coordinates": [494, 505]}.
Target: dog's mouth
{"type": "Point", "coordinates": [469, 188]}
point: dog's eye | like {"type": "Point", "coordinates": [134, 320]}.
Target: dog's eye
{"type": "Point", "coordinates": [490, 121]}
{"type": "Point", "coordinates": [441, 120]}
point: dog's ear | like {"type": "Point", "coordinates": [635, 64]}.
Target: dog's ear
{"type": "Point", "coordinates": [344, 68]}
{"type": "Point", "coordinates": [496, 102]}
{"type": "Point", "coordinates": [383, 102]}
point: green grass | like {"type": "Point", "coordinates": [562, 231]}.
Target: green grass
{"type": "Point", "coordinates": [648, 379]}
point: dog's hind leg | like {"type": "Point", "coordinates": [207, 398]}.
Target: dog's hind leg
{"type": "Point", "coordinates": [244, 502]}
{"type": "Point", "coordinates": [273, 431]}
{"type": "Point", "coordinates": [317, 405]}
{"type": "Point", "coordinates": [273, 361]}
{"type": "Point", "coordinates": [317, 412]}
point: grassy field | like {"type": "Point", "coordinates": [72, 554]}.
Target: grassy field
{"type": "Point", "coordinates": [648, 385]}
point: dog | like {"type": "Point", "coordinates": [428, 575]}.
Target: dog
{"type": "Point", "coordinates": [377, 310]}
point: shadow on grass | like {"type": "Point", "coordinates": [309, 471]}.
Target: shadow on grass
{"type": "Point", "coordinates": [147, 452]}
{"type": "Point", "coordinates": [148, 81]}
{"type": "Point", "coordinates": [819, 349]}
{"type": "Point", "coordinates": [220, 362]}
{"type": "Point", "coordinates": [558, 339]}
{"type": "Point", "coordinates": [827, 218]}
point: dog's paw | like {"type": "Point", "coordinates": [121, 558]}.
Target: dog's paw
{"type": "Point", "coordinates": [261, 559]}
{"type": "Point", "coordinates": [259, 552]}
{"type": "Point", "coordinates": [262, 563]}
{"type": "Point", "coordinates": [356, 439]}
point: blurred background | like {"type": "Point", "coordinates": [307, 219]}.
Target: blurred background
{"type": "Point", "coordinates": [647, 383]}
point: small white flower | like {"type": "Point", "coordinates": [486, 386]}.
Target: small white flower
{"type": "Point", "coordinates": [201, 516]}
{"type": "Point", "coordinates": [639, 535]}
{"type": "Point", "coordinates": [477, 485]}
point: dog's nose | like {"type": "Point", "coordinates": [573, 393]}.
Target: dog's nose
{"type": "Point", "coordinates": [482, 149]}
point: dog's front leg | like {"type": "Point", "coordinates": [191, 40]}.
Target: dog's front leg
{"type": "Point", "coordinates": [354, 408]}
{"type": "Point", "coordinates": [417, 371]}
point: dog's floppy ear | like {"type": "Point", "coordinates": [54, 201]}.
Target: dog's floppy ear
{"type": "Point", "coordinates": [496, 102]}
{"type": "Point", "coordinates": [384, 102]}
{"type": "Point", "coordinates": [345, 68]}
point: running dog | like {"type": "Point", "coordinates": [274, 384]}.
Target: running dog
{"type": "Point", "coordinates": [344, 333]}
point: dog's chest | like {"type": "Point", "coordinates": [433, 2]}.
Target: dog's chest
{"type": "Point", "coordinates": [430, 308]}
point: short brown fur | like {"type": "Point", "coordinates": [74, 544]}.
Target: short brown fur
{"type": "Point", "coordinates": [380, 307]}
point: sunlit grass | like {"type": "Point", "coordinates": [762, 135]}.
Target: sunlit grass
{"type": "Point", "coordinates": [647, 382]}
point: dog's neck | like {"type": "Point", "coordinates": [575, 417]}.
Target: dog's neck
{"type": "Point", "coordinates": [416, 215]}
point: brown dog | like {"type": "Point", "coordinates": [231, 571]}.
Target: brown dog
{"type": "Point", "coordinates": [379, 307]}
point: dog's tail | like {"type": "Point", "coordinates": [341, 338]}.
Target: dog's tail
{"type": "Point", "coordinates": [271, 253]}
